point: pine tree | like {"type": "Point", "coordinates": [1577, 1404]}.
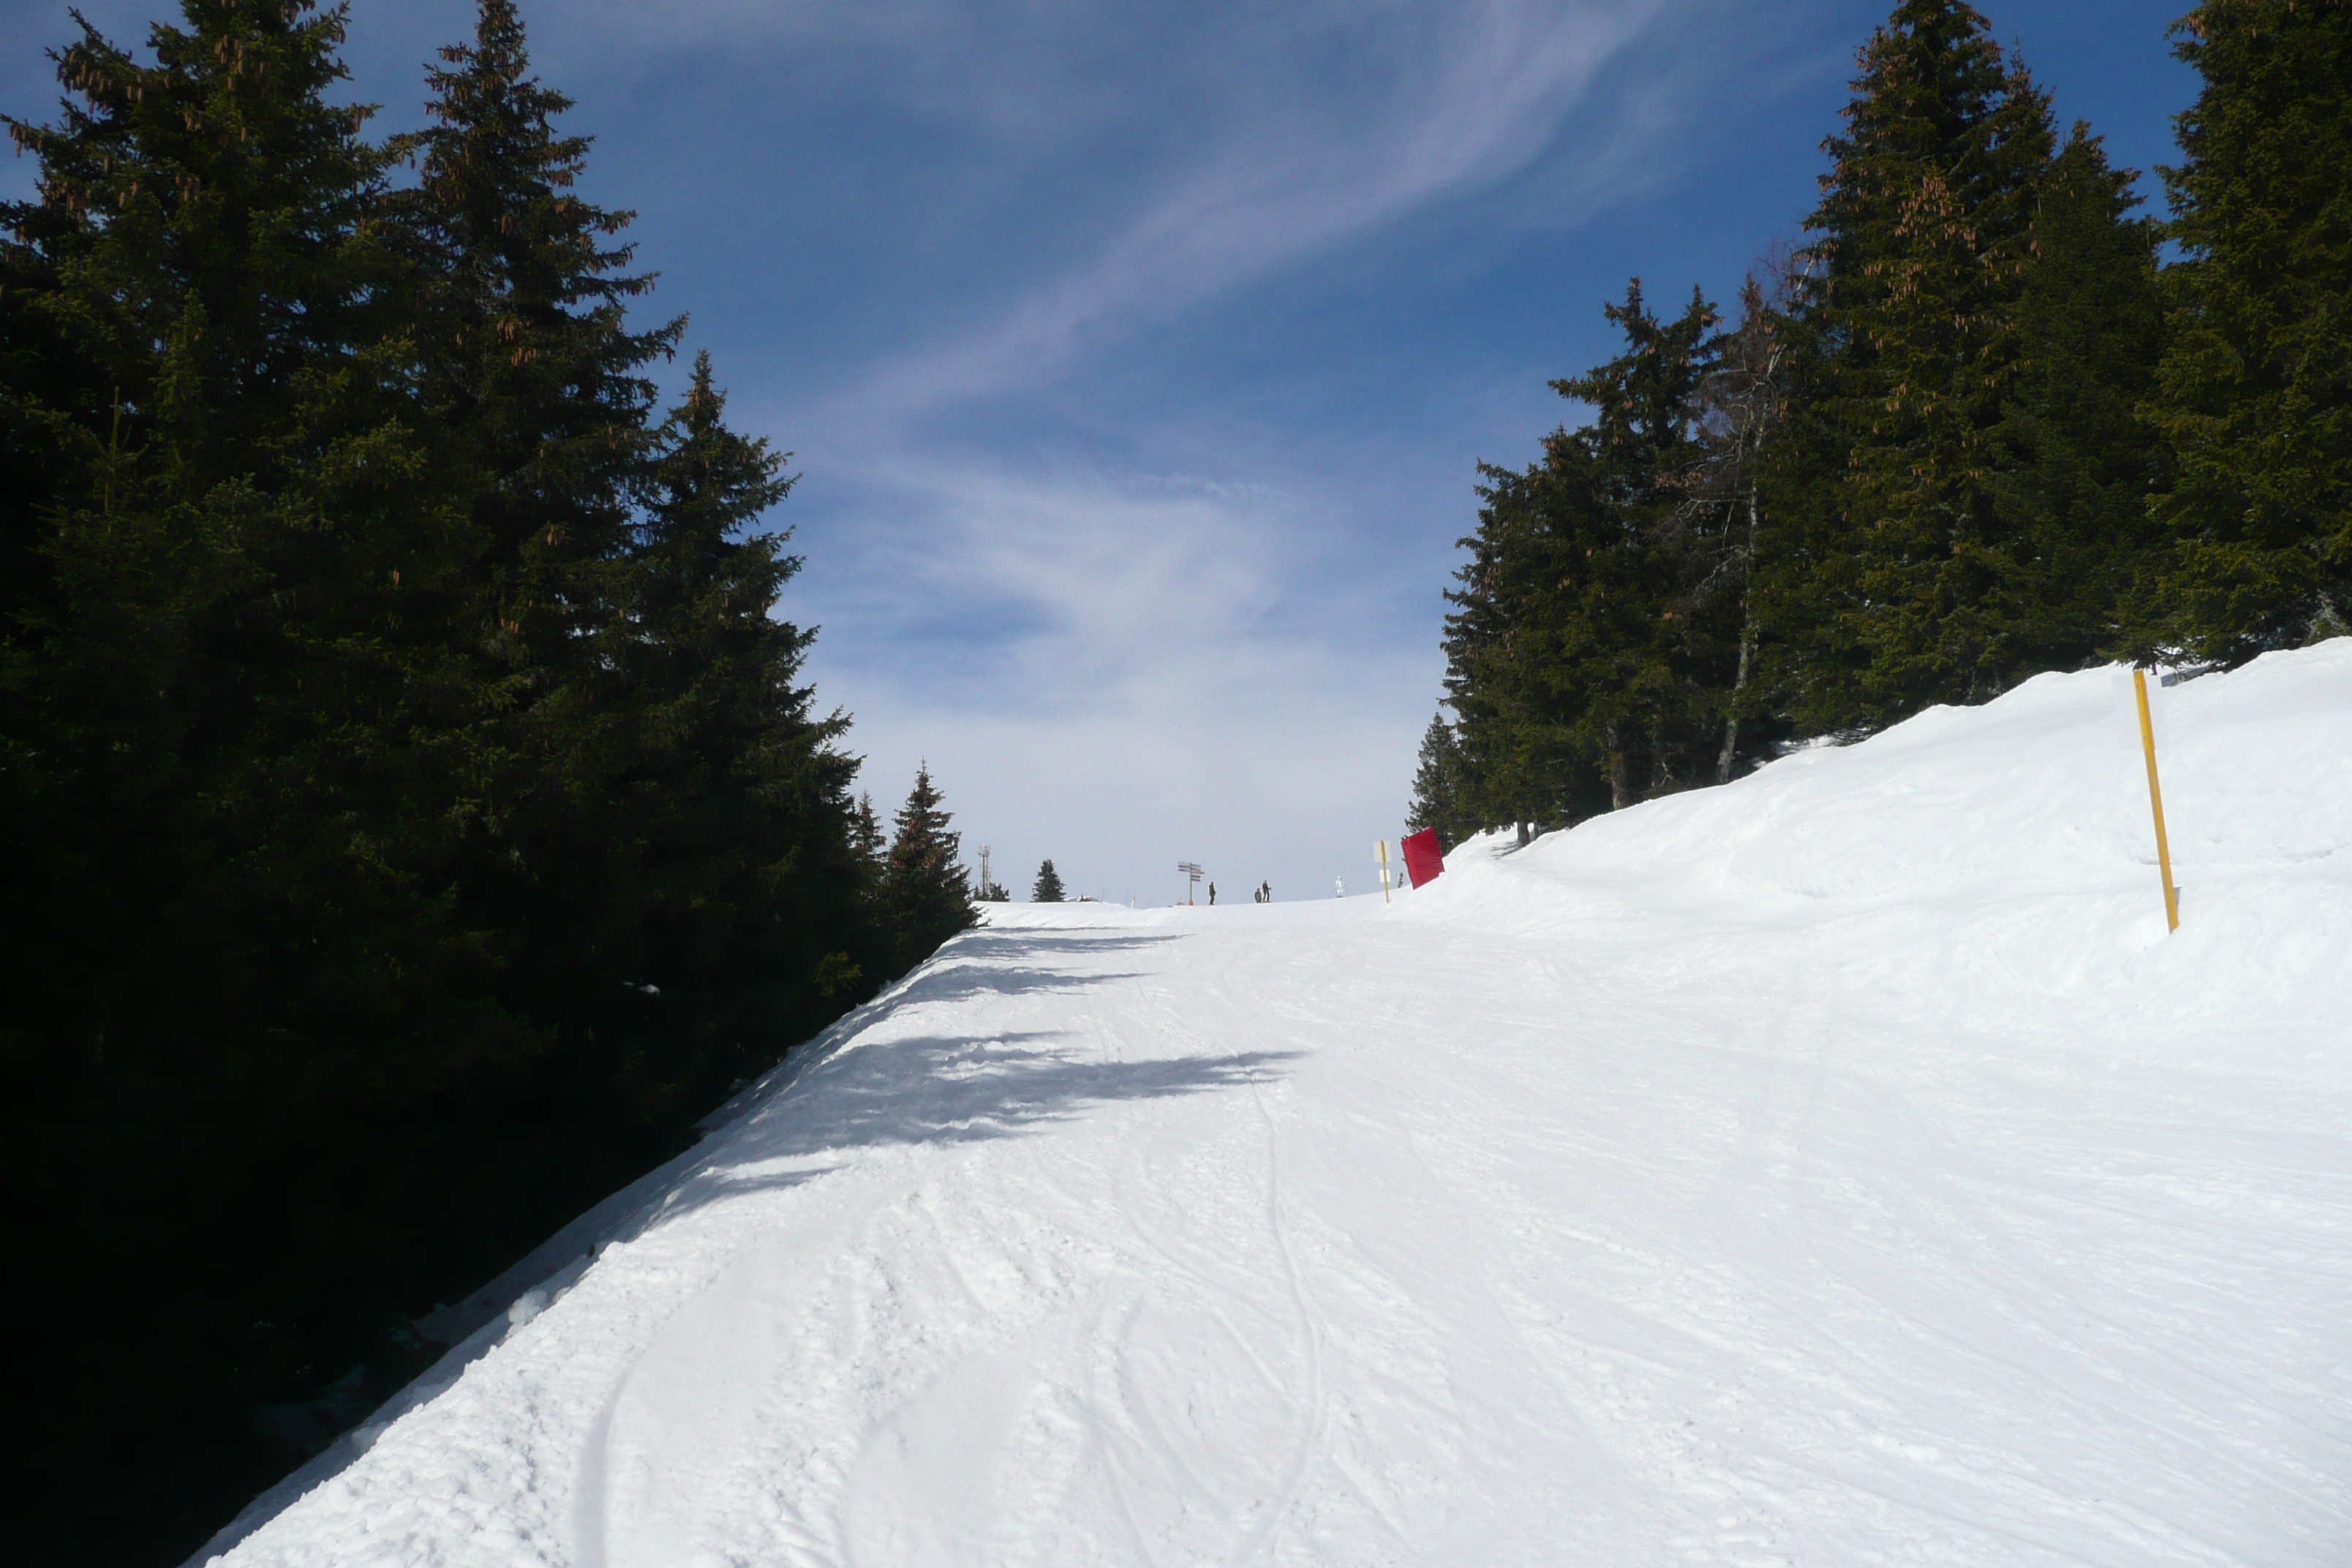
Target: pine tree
{"type": "Point", "coordinates": [421, 817]}
{"type": "Point", "coordinates": [925, 898]}
{"type": "Point", "coordinates": [1574, 663]}
{"type": "Point", "coordinates": [237, 708]}
{"type": "Point", "coordinates": [1498, 746]}
{"type": "Point", "coordinates": [527, 356]}
{"type": "Point", "coordinates": [2253, 395]}
{"type": "Point", "coordinates": [1559, 667]}
{"type": "Point", "coordinates": [867, 839]}
{"type": "Point", "coordinates": [530, 346]}
{"type": "Point", "coordinates": [2072, 499]}
{"type": "Point", "coordinates": [1048, 888]}
{"type": "Point", "coordinates": [1518, 760]}
{"type": "Point", "coordinates": [1439, 788]}
{"type": "Point", "coordinates": [1925, 228]}
{"type": "Point", "coordinates": [1623, 631]}
{"type": "Point", "coordinates": [739, 887]}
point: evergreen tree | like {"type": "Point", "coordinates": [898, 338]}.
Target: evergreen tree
{"type": "Point", "coordinates": [232, 720]}
{"type": "Point", "coordinates": [2072, 499]}
{"type": "Point", "coordinates": [1925, 231]}
{"type": "Point", "coordinates": [1047, 889]}
{"type": "Point", "coordinates": [740, 878]}
{"type": "Point", "coordinates": [925, 898]}
{"type": "Point", "coordinates": [527, 356]}
{"type": "Point", "coordinates": [420, 817]}
{"type": "Point", "coordinates": [1574, 663]}
{"type": "Point", "coordinates": [1507, 758]}
{"type": "Point", "coordinates": [1626, 636]}
{"type": "Point", "coordinates": [1439, 790]}
{"type": "Point", "coordinates": [866, 840]}
{"type": "Point", "coordinates": [2253, 399]}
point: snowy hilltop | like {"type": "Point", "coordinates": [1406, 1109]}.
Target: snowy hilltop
{"type": "Point", "coordinates": [1839, 1167]}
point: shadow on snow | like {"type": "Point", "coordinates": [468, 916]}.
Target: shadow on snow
{"type": "Point", "coordinates": [930, 1089]}
{"type": "Point", "coordinates": [950, 1089]}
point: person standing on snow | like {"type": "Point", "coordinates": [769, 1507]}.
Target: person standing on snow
{"type": "Point", "coordinates": [1212, 895]}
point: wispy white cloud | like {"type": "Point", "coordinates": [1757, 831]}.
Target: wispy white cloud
{"type": "Point", "coordinates": [1114, 670]}
{"type": "Point", "coordinates": [1158, 685]}
{"type": "Point", "coordinates": [1428, 101]}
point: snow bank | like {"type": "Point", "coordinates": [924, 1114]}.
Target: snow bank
{"type": "Point", "coordinates": [2006, 849]}
{"type": "Point", "coordinates": [1841, 1166]}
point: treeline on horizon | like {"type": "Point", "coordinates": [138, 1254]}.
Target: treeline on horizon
{"type": "Point", "coordinates": [417, 816]}
{"type": "Point", "coordinates": [1977, 424]}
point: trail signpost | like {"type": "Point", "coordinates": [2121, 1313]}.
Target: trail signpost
{"type": "Point", "coordinates": [2155, 800]}
{"type": "Point", "coordinates": [1191, 871]}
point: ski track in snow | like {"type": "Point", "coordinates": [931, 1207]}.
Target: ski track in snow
{"type": "Point", "coordinates": [1839, 1167]}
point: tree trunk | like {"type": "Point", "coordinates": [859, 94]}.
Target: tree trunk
{"type": "Point", "coordinates": [1747, 649]}
{"type": "Point", "coordinates": [1620, 774]}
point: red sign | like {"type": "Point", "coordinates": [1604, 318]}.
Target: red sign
{"type": "Point", "coordinates": [1423, 861]}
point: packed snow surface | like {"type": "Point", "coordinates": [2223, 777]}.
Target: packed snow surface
{"type": "Point", "coordinates": [1844, 1166]}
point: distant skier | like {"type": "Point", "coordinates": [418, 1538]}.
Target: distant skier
{"type": "Point", "coordinates": [1266, 890]}
{"type": "Point", "coordinates": [1212, 895]}
{"type": "Point", "coordinates": [1338, 887]}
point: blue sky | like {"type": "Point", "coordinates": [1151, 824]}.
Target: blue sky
{"type": "Point", "coordinates": [1138, 356]}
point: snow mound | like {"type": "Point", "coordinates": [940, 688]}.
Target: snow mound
{"type": "Point", "coordinates": [1842, 1166]}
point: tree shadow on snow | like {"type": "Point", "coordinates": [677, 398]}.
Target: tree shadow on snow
{"type": "Point", "coordinates": [930, 1089]}
{"type": "Point", "coordinates": [950, 1089]}
{"type": "Point", "coordinates": [985, 962]}
{"type": "Point", "coordinates": [958, 1088]}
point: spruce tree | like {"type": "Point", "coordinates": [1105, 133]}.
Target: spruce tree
{"type": "Point", "coordinates": [2253, 399]}
{"type": "Point", "coordinates": [422, 817]}
{"type": "Point", "coordinates": [1518, 763]}
{"type": "Point", "coordinates": [527, 356]}
{"type": "Point", "coordinates": [2082, 463]}
{"type": "Point", "coordinates": [1439, 788]}
{"type": "Point", "coordinates": [925, 898]}
{"type": "Point", "coordinates": [1624, 631]}
{"type": "Point", "coordinates": [866, 840]}
{"type": "Point", "coordinates": [1048, 888]}
{"type": "Point", "coordinates": [738, 888]}
{"type": "Point", "coordinates": [238, 718]}
{"type": "Point", "coordinates": [1925, 232]}
{"type": "Point", "coordinates": [1483, 627]}
{"type": "Point", "coordinates": [1575, 664]}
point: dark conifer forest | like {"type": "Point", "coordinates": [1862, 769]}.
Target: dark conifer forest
{"type": "Point", "coordinates": [416, 815]}
{"type": "Point", "coordinates": [1989, 418]}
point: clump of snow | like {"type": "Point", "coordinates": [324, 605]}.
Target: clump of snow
{"type": "Point", "coordinates": [1841, 1166]}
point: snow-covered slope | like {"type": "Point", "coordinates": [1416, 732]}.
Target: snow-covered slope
{"type": "Point", "coordinates": [1839, 1167]}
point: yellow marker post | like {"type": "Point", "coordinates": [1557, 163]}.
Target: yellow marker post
{"type": "Point", "coordinates": [2155, 801]}
{"type": "Point", "coordinates": [1381, 846]}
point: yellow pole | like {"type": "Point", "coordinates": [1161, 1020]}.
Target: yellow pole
{"type": "Point", "coordinates": [2155, 801]}
{"type": "Point", "coordinates": [1383, 845]}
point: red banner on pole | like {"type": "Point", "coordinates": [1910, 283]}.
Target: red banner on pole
{"type": "Point", "coordinates": [1422, 859]}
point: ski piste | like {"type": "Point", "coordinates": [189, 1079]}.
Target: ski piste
{"type": "Point", "coordinates": [1841, 1166]}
